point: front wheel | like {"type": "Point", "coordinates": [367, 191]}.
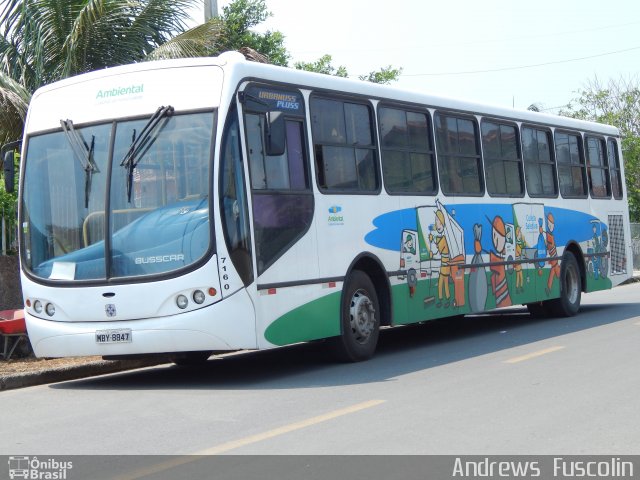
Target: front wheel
{"type": "Point", "coordinates": [570, 288]}
{"type": "Point", "coordinates": [360, 319]}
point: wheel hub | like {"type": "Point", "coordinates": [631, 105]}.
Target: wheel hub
{"type": "Point", "coordinates": [362, 316]}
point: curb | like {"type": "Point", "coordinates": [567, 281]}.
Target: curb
{"type": "Point", "coordinates": [100, 367]}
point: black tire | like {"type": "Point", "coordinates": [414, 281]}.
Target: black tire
{"type": "Point", "coordinates": [359, 319]}
{"type": "Point", "coordinates": [190, 359]}
{"type": "Point", "coordinates": [570, 288]}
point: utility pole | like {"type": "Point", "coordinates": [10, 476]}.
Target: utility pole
{"type": "Point", "coordinates": [210, 9]}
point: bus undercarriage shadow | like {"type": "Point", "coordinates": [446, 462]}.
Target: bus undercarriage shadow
{"type": "Point", "coordinates": [400, 351]}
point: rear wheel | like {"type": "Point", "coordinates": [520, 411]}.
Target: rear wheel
{"type": "Point", "coordinates": [360, 319]}
{"type": "Point", "coordinates": [570, 288]}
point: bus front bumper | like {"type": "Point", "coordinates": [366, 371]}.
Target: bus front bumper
{"type": "Point", "coordinates": [227, 325]}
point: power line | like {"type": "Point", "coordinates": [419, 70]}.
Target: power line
{"type": "Point", "coordinates": [521, 67]}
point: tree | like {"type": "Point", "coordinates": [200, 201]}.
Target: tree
{"type": "Point", "coordinates": [238, 18]}
{"type": "Point", "coordinates": [322, 65]}
{"type": "Point", "coordinates": [47, 40]}
{"type": "Point", "coordinates": [385, 75]}
{"type": "Point", "coordinates": [617, 104]}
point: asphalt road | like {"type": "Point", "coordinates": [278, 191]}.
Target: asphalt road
{"type": "Point", "coordinates": [492, 384]}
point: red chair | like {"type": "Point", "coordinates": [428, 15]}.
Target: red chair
{"type": "Point", "coordinates": [13, 330]}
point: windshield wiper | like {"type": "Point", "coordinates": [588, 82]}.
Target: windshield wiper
{"type": "Point", "coordinates": [84, 154]}
{"type": "Point", "coordinates": [142, 142]}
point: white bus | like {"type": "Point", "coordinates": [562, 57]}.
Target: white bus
{"type": "Point", "coordinates": [216, 204]}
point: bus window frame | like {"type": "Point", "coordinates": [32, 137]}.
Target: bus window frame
{"type": "Point", "coordinates": [520, 157]}
{"type": "Point", "coordinates": [409, 108]}
{"type": "Point", "coordinates": [375, 147]}
{"type": "Point", "coordinates": [606, 167]}
{"type": "Point", "coordinates": [552, 155]}
{"type": "Point", "coordinates": [618, 167]}
{"type": "Point", "coordinates": [583, 157]}
{"type": "Point", "coordinates": [476, 125]}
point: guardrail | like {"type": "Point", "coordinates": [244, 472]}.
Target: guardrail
{"type": "Point", "coordinates": [635, 245]}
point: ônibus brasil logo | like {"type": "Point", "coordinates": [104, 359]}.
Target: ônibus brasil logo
{"type": "Point", "coordinates": [33, 468]}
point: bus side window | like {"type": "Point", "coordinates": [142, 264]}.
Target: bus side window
{"type": "Point", "coordinates": [408, 159]}
{"type": "Point", "coordinates": [614, 168]}
{"type": "Point", "coordinates": [344, 146]}
{"type": "Point", "coordinates": [234, 210]}
{"type": "Point", "coordinates": [598, 170]}
{"type": "Point", "coordinates": [502, 160]}
{"type": "Point", "coordinates": [539, 165]}
{"type": "Point", "coordinates": [458, 152]}
{"type": "Point", "coordinates": [571, 165]}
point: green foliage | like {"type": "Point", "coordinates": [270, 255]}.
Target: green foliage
{"type": "Point", "coordinates": [617, 104]}
{"type": "Point", "coordinates": [385, 75]}
{"type": "Point", "coordinates": [9, 201]}
{"type": "Point", "coordinates": [322, 65]}
{"type": "Point", "coordinates": [46, 40]}
{"type": "Point", "coordinates": [238, 18]}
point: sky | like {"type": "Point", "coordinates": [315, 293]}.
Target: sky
{"type": "Point", "coordinates": [510, 53]}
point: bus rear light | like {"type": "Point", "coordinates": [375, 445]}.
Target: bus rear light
{"type": "Point", "coordinates": [182, 302]}
{"type": "Point", "coordinates": [198, 297]}
{"type": "Point", "coordinates": [37, 306]}
{"type": "Point", "coordinates": [212, 292]}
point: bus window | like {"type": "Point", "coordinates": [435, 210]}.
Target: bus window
{"type": "Point", "coordinates": [614, 168]}
{"type": "Point", "coordinates": [599, 184]}
{"type": "Point", "coordinates": [344, 148]}
{"type": "Point", "coordinates": [539, 166]}
{"type": "Point", "coordinates": [459, 164]}
{"type": "Point", "coordinates": [502, 163]}
{"type": "Point", "coordinates": [408, 161]}
{"type": "Point", "coordinates": [282, 199]}
{"type": "Point", "coordinates": [234, 210]}
{"type": "Point", "coordinates": [571, 165]}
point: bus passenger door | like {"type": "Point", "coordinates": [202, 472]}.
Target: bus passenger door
{"type": "Point", "coordinates": [282, 208]}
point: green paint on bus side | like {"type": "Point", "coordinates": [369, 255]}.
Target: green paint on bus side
{"type": "Point", "coordinates": [425, 303]}
{"type": "Point", "coordinates": [312, 321]}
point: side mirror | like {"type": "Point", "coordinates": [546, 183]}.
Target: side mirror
{"type": "Point", "coordinates": [9, 171]}
{"type": "Point", "coordinates": [274, 135]}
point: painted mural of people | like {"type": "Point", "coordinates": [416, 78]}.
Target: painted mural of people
{"type": "Point", "coordinates": [498, 270]}
{"type": "Point", "coordinates": [551, 252]}
{"type": "Point", "coordinates": [442, 245]}
{"type": "Point", "coordinates": [520, 246]}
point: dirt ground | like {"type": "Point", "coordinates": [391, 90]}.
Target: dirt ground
{"type": "Point", "coordinates": [32, 364]}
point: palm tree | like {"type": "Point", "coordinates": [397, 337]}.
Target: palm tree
{"type": "Point", "coordinates": [47, 40]}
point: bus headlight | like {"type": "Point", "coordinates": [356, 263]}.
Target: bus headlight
{"type": "Point", "coordinates": [50, 309]}
{"type": "Point", "coordinates": [198, 297]}
{"type": "Point", "coordinates": [37, 306]}
{"type": "Point", "coordinates": [182, 302]}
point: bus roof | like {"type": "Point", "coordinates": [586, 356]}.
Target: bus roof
{"type": "Point", "coordinates": [237, 69]}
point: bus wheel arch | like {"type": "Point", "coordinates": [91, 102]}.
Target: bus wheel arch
{"type": "Point", "coordinates": [365, 302]}
{"type": "Point", "coordinates": [372, 267]}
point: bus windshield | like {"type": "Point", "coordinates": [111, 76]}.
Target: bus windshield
{"type": "Point", "coordinates": [118, 199]}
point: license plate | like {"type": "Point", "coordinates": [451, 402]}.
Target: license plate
{"type": "Point", "coordinates": [121, 335]}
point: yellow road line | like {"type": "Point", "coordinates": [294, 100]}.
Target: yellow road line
{"type": "Point", "coordinates": [531, 355]}
{"type": "Point", "coordinates": [228, 446]}
{"type": "Point", "coordinates": [225, 447]}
